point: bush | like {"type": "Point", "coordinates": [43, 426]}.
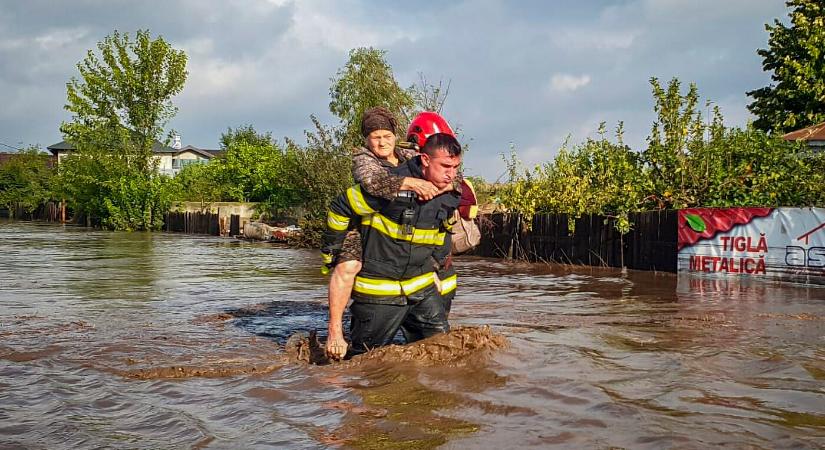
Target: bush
{"type": "Point", "coordinates": [687, 164]}
{"type": "Point", "coordinates": [26, 181]}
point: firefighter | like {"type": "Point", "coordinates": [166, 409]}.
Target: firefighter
{"type": "Point", "coordinates": [404, 242]}
{"type": "Point", "coordinates": [421, 128]}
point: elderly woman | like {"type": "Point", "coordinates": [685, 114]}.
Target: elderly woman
{"type": "Point", "coordinates": [371, 169]}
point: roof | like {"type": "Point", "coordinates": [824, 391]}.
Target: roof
{"type": "Point", "coordinates": [62, 145]}
{"type": "Point", "coordinates": [811, 133]}
{"type": "Point", "coordinates": [157, 147]}
{"type": "Point", "coordinates": [201, 151]}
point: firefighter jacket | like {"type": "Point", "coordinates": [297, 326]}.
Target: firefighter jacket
{"type": "Point", "coordinates": [403, 240]}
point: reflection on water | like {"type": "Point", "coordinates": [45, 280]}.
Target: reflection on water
{"type": "Point", "coordinates": [144, 340]}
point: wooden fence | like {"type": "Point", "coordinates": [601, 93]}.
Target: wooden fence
{"type": "Point", "coordinates": [650, 244]}
{"type": "Point", "coordinates": [49, 212]}
{"type": "Point", "coordinates": [193, 222]}
{"type": "Point", "coordinates": [202, 223]}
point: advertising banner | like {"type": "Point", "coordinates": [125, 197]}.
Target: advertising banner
{"type": "Point", "coordinates": [782, 243]}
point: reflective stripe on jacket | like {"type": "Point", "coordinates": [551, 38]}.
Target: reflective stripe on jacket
{"type": "Point", "coordinates": [401, 240]}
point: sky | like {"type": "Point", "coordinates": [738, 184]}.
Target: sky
{"type": "Point", "coordinates": [527, 75]}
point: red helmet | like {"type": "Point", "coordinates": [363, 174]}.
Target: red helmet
{"type": "Point", "coordinates": [425, 125]}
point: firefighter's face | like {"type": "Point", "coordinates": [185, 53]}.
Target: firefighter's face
{"type": "Point", "coordinates": [381, 143]}
{"type": "Point", "coordinates": [440, 169]}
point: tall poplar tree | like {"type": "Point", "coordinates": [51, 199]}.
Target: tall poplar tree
{"type": "Point", "coordinates": [796, 56]}
{"type": "Point", "coordinates": [120, 105]}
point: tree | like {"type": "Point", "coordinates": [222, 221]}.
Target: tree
{"type": "Point", "coordinates": [120, 105]}
{"type": "Point", "coordinates": [25, 181]}
{"type": "Point", "coordinates": [366, 81]}
{"type": "Point", "coordinates": [428, 96]}
{"type": "Point", "coordinates": [200, 183]}
{"type": "Point", "coordinates": [796, 56]}
{"type": "Point", "coordinates": [246, 134]}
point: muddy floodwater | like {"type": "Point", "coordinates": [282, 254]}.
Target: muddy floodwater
{"type": "Point", "coordinates": [138, 340]}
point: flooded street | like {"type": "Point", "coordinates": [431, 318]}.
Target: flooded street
{"type": "Point", "coordinates": [138, 340]}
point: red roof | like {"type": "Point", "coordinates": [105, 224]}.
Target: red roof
{"type": "Point", "coordinates": [811, 133]}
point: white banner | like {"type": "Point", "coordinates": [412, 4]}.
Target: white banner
{"type": "Point", "coordinates": [783, 243]}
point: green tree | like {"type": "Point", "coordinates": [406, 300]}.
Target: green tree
{"type": "Point", "coordinates": [366, 81]}
{"type": "Point", "coordinates": [247, 134]}
{"type": "Point", "coordinates": [26, 181]}
{"type": "Point", "coordinates": [200, 183]}
{"type": "Point", "coordinates": [120, 105]}
{"type": "Point", "coordinates": [748, 167]}
{"type": "Point", "coordinates": [320, 171]}
{"type": "Point", "coordinates": [678, 131]}
{"type": "Point", "coordinates": [796, 58]}
{"type": "Point", "coordinates": [428, 96]}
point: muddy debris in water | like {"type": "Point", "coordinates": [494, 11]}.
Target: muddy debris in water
{"type": "Point", "coordinates": [37, 326]}
{"type": "Point", "coordinates": [218, 318]}
{"type": "Point", "coordinates": [398, 411]}
{"type": "Point", "coordinates": [803, 316]}
{"type": "Point", "coordinates": [305, 348]}
{"type": "Point", "coordinates": [457, 347]}
{"type": "Point", "coordinates": [256, 310]}
{"type": "Point", "coordinates": [12, 355]}
{"type": "Point", "coordinates": [215, 370]}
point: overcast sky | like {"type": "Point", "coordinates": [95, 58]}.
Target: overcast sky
{"type": "Point", "coordinates": [523, 73]}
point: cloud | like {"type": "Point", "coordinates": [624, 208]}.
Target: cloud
{"type": "Point", "coordinates": [531, 72]}
{"type": "Point", "coordinates": [587, 38]}
{"type": "Point", "coordinates": [564, 83]}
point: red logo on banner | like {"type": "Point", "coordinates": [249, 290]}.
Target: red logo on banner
{"type": "Point", "coordinates": [807, 235]}
{"type": "Point", "coordinates": [696, 224]}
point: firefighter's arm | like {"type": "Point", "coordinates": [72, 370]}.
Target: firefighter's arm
{"type": "Point", "coordinates": [339, 217]}
{"type": "Point", "coordinates": [343, 212]}
{"type": "Point", "coordinates": [339, 293]}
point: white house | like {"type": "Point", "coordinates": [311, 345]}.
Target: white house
{"type": "Point", "coordinates": [170, 159]}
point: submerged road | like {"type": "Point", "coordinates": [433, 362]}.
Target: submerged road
{"type": "Point", "coordinates": [140, 340]}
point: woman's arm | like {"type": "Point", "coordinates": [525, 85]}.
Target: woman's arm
{"type": "Point", "coordinates": [377, 180]}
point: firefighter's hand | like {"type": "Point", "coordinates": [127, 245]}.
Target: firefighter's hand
{"type": "Point", "coordinates": [437, 282]}
{"type": "Point", "coordinates": [336, 347]}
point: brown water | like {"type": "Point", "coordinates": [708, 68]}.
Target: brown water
{"type": "Point", "coordinates": [136, 340]}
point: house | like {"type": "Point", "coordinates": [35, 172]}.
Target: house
{"type": "Point", "coordinates": [48, 160]}
{"type": "Point", "coordinates": [170, 159]}
{"type": "Point", "coordinates": [814, 135]}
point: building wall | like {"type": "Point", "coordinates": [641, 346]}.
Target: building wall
{"type": "Point", "coordinates": [171, 164]}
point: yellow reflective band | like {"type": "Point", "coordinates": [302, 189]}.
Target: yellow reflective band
{"type": "Point", "coordinates": [337, 222]}
{"type": "Point", "coordinates": [388, 288]}
{"type": "Point", "coordinates": [326, 257]}
{"type": "Point", "coordinates": [357, 201]}
{"type": "Point", "coordinates": [473, 211]}
{"type": "Point", "coordinates": [415, 284]}
{"type": "Point", "coordinates": [449, 284]}
{"type": "Point", "coordinates": [389, 228]}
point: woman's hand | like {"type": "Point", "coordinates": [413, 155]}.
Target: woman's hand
{"type": "Point", "coordinates": [423, 188]}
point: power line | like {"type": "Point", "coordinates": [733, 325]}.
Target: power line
{"type": "Point", "coordinates": [9, 146]}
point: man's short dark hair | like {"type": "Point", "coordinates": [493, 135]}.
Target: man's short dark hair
{"type": "Point", "coordinates": [440, 141]}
